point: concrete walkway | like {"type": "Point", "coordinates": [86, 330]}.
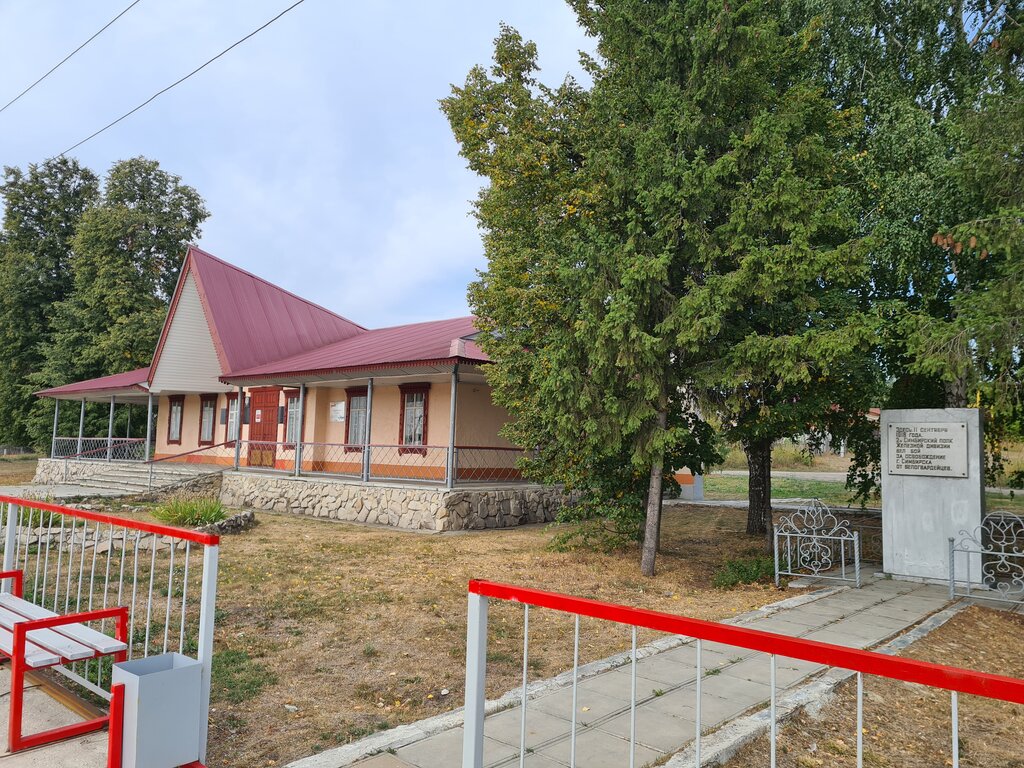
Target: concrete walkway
{"type": "Point", "coordinates": [735, 681]}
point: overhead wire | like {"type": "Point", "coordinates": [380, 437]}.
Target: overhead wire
{"type": "Point", "coordinates": [181, 80]}
{"type": "Point", "coordinates": [60, 63]}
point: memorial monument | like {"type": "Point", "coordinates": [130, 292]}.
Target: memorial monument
{"type": "Point", "coordinates": [933, 472]}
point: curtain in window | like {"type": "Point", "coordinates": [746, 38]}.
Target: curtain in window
{"type": "Point", "coordinates": [412, 429]}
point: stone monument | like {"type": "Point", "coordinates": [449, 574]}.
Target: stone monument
{"type": "Point", "coordinates": [933, 472]}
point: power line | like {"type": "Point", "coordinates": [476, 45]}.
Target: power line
{"type": "Point", "coordinates": [180, 81]}
{"type": "Point", "coordinates": [61, 62]}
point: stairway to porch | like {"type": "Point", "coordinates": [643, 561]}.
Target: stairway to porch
{"type": "Point", "coordinates": [129, 476]}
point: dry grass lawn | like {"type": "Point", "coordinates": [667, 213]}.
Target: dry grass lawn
{"type": "Point", "coordinates": [359, 628]}
{"type": "Point", "coordinates": [907, 726]}
{"type": "Point", "coordinates": [17, 470]}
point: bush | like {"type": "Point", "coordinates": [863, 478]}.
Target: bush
{"type": "Point", "coordinates": [745, 570]}
{"type": "Point", "coordinates": [1015, 479]}
{"type": "Point", "coordinates": [190, 513]}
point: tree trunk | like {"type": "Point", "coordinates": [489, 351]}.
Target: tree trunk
{"type": "Point", "coordinates": [759, 489]}
{"type": "Point", "coordinates": [956, 392]}
{"type": "Point", "coordinates": [653, 524]}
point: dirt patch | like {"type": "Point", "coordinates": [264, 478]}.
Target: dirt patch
{"type": "Point", "coordinates": [908, 726]}
{"type": "Point", "coordinates": [357, 628]}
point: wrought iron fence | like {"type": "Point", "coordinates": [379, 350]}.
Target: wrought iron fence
{"type": "Point", "coordinates": [772, 646]}
{"type": "Point", "coordinates": [481, 464]}
{"type": "Point", "coordinates": [75, 560]}
{"type": "Point", "coordinates": [814, 542]}
{"type": "Point", "coordinates": [988, 562]}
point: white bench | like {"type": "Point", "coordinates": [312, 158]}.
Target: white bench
{"type": "Point", "coordinates": [33, 637]}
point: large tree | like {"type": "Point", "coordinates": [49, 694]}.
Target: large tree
{"type": "Point", "coordinates": [628, 225]}
{"type": "Point", "coordinates": [128, 251]}
{"type": "Point", "coordinates": [42, 208]}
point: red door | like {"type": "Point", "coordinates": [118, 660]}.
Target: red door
{"type": "Point", "coordinates": [263, 407]}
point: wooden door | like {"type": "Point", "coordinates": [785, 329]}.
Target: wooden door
{"type": "Point", "coordinates": [263, 407]}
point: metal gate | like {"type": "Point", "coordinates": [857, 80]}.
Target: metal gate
{"type": "Point", "coordinates": [814, 542]}
{"type": "Point", "coordinates": [989, 561]}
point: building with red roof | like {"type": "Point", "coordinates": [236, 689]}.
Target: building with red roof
{"type": "Point", "coordinates": [249, 376]}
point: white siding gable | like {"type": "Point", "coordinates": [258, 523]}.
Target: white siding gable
{"type": "Point", "coordinates": [188, 362]}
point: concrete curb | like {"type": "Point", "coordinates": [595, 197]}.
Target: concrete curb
{"type": "Point", "coordinates": [403, 735]}
{"type": "Point", "coordinates": [728, 739]}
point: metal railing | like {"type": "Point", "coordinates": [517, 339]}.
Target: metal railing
{"type": "Point", "coordinates": [337, 459]}
{"type": "Point", "coordinates": [814, 542]}
{"type": "Point", "coordinates": [483, 464]}
{"type": "Point", "coordinates": [988, 562]}
{"type": "Point", "coordinates": [99, 449]}
{"type": "Point", "coordinates": [422, 463]}
{"type": "Point", "coordinates": [76, 560]}
{"type": "Point", "coordinates": [952, 679]}
{"type": "Point", "coordinates": [204, 455]}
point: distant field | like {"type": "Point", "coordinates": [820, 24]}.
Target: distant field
{"type": "Point", "coordinates": [732, 487]}
{"type": "Point", "coordinates": [17, 470]}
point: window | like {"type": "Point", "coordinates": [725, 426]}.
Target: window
{"type": "Point", "coordinates": [355, 424]}
{"type": "Point", "coordinates": [207, 418]}
{"type": "Point", "coordinates": [175, 406]}
{"type": "Point", "coordinates": [413, 417]}
{"type": "Point", "coordinates": [231, 420]}
{"type": "Point", "coordinates": [292, 432]}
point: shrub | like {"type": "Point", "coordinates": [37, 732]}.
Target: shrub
{"type": "Point", "coordinates": [190, 512]}
{"type": "Point", "coordinates": [745, 570]}
{"type": "Point", "coordinates": [1015, 479]}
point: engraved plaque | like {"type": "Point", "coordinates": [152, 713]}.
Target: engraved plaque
{"type": "Point", "coordinates": [936, 449]}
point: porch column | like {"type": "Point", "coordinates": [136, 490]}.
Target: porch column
{"type": "Point", "coordinates": [56, 413]}
{"type": "Point", "coordinates": [81, 426]}
{"type": "Point", "coordinates": [299, 436]}
{"type": "Point", "coordinates": [239, 410]}
{"type": "Point", "coordinates": [366, 435]}
{"type": "Point", "coordinates": [110, 429]}
{"type": "Point", "coordinates": [149, 422]}
{"type": "Point", "coordinates": [452, 459]}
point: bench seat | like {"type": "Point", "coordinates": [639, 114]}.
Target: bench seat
{"type": "Point", "coordinates": [81, 641]}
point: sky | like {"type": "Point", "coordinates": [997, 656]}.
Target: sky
{"type": "Point", "coordinates": [318, 144]}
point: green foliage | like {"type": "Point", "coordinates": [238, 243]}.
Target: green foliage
{"type": "Point", "coordinates": [190, 513]}
{"type": "Point", "coordinates": [1015, 479]}
{"type": "Point", "coordinates": [128, 249]}
{"type": "Point", "coordinates": [745, 570]}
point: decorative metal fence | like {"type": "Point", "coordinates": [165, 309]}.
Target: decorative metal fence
{"type": "Point", "coordinates": [814, 542]}
{"type": "Point", "coordinates": [772, 645]}
{"type": "Point", "coordinates": [75, 560]}
{"type": "Point", "coordinates": [988, 562]}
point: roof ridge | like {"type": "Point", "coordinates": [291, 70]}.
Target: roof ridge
{"type": "Point", "coordinates": [195, 248]}
{"type": "Point", "coordinates": [423, 322]}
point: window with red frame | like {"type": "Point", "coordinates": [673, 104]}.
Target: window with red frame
{"type": "Point", "coordinates": [175, 409]}
{"type": "Point", "coordinates": [207, 418]}
{"type": "Point", "coordinates": [413, 417]}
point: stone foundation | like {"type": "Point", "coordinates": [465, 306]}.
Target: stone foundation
{"type": "Point", "coordinates": [402, 506]}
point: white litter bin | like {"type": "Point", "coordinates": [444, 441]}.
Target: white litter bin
{"type": "Point", "coordinates": [161, 710]}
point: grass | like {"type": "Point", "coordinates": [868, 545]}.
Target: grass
{"type": "Point", "coordinates": [787, 455]}
{"type": "Point", "coordinates": [351, 588]}
{"type": "Point", "coordinates": [746, 570]}
{"type": "Point", "coordinates": [907, 726]}
{"type": "Point", "coordinates": [190, 513]}
{"type": "Point", "coordinates": [17, 470]}
{"type": "Point", "coordinates": [717, 486]}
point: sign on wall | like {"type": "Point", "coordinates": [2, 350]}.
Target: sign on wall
{"type": "Point", "coordinates": [338, 411]}
{"type": "Point", "coordinates": [935, 449]}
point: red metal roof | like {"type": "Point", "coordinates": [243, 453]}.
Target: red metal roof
{"type": "Point", "coordinates": [130, 380]}
{"type": "Point", "coordinates": [437, 341]}
{"type": "Point", "coordinates": [253, 321]}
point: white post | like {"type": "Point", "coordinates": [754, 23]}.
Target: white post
{"type": "Point", "coordinates": [207, 608]}
{"type": "Point", "coordinates": [299, 436]}
{"type": "Point", "coordinates": [239, 410]}
{"type": "Point", "coordinates": [450, 473]}
{"type": "Point", "coordinates": [56, 413]}
{"type": "Point", "coordinates": [149, 422]}
{"type": "Point", "coordinates": [476, 670]}
{"type": "Point", "coordinates": [81, 426]}
{"type": "Point", "coordinates": [10, 539]}
{"type": "Point", "coordinates": [110, 430]}
{"type": "Point", "coordinates": [366, 434]}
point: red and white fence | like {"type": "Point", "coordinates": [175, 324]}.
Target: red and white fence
{"type": "Point", "coordinates": [77, 560]}
{"type": "Point", "coordinates": [952, 679]}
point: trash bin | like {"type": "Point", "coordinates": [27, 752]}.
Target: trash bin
{"type": "Point", "coordinates": [161, 710]}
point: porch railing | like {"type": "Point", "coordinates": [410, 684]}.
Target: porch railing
{"type": "Point", "coordinates": [952, 679]}
{"type": "Point", "coordinates": [99, 449]}
{"type": "Point", "coordinates": [75, 560]}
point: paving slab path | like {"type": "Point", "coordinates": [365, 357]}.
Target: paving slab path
{"type": "Point", "coordinates": [734, 681]}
